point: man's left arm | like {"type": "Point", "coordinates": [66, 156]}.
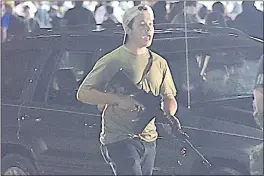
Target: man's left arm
{"type": "Point", "coordinates": [168, 92]}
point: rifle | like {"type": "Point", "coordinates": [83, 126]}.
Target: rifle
{"type": "Point", "coordinates": [121, 81]}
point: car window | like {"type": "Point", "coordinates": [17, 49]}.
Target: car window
{"type": "Point", "coordinates": [213, 75]}
{"type": "Point", "coordinates": [70, 72]}
{"type": "Point", "coordinates": [15, 69]}
{"type": "Point", "coordinates": [226, 73]}
{"type": "Point", "coordinates": [43, 79]}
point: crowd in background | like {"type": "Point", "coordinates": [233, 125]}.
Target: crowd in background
{"type": "Point", "coordinates": [20, 17]}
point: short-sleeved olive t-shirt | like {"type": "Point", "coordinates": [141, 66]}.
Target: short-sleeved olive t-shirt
{"type": "Point", "coordinates": [117, 124]}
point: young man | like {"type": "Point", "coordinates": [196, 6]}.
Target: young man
{"type": "Point", "coordinates": [256, 161]}
{"type": "Point", "coordinates": [128, 152]}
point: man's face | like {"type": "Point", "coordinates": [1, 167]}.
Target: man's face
{"type": "Point", "coordinates": [142, 30]}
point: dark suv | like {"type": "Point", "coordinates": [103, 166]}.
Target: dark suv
{"type": "Point", "coordinates": [45, 130]}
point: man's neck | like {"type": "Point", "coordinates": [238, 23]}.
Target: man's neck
{"type": "Point", "coordinates": [133, 49]}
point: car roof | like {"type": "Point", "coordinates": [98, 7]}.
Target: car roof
{"type": "Point", "coordinates": [168, 38]}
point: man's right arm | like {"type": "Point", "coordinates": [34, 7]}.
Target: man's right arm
{"type": "Point", "coordinates": [91, 90]}
{"type": "Point", "coordinates": [95, 97]}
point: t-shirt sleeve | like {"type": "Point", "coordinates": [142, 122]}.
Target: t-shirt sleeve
{"type": "Point", "coordinates": [259, 77]}
{"type": "Point", "coordinates": [167, 89]}
{"type": "Point", "coordinates": [102, 72]}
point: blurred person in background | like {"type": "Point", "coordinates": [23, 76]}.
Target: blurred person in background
{"type": "Point", "coordinates": [190, 11]}
{"type": "Point", "coordinates": [79, 15]}
{"type": "Point", "coordinates": [175, 8]}
{"type": "Point", "coordinates": [68, 5]}
{"type": "Point", "coordinates": [256, 155]}
{"type": "Point", "coordinates": [26, 11]}
{"type": "Point", "coordinates": [160, 12]}
{"type": "Point", "coordinates": [42, 15]}
{"type": "Point", "coordinates": [136, 3]}
{"type": "Point", "coordinates": [62, 8]}
{"type": "Point", "coordinates": [250, 20]}
{"type": "Point", "coordinates": [10, 3]}
{"type": "Point", "coordinates": [12, 26]}
{"type": "Point", "coordinates": [216, 17]}
{"type": "Point", "coordinates": [5, 20]}
{"type": "Point", "coordinates": [90, 5]}
{"type": "Point", "coordinates": [108, 12]}
{"type": "Point", "coordinates": [30, 23]}
{"type": "Point", "coordinates": [55, 13]}
{"type": "Point", "coordinates": [218, 7]}
{"type": "Point", "coordinates": [16, 3]}
{"type": "Point", "coordinates": [30, 12]}
{"type": "Point", "coordinates": [125, 5]}
{"type": "Point", "coordinates": [202, 13]}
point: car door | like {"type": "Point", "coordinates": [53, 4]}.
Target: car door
{"type": "Point", "coordinates": [65, 131]}
{"type": "Point", "coordinates": [18, 66]}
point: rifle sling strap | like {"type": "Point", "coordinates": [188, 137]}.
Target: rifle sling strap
{"type": "Point", "coordinates": [147, 69]}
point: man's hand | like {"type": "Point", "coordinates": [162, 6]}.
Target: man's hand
{"type": "Point", "coordinates": [169, 106]}
{"type": "Point", "coordinates": [175, 128]}
{"type": "Point", "coordinates": [128, 103]}
{"type": "Point", "coordinates": [175, 123]}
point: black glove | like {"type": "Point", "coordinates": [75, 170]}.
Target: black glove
{"type": "Point", "coordinates": [176, 129]}
{"type": "Point", "coordinates": [174, 122]}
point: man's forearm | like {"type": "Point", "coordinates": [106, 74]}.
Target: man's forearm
{"type": "Point", "coordinates": [170, 106]}
{"type": "Point", "coordinates": [95, 97]}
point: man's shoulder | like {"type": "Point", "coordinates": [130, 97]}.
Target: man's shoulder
{"type": "Point", "coordinates": [112, 55]}
{"type": "Point", "coordinates": [158, 58]}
